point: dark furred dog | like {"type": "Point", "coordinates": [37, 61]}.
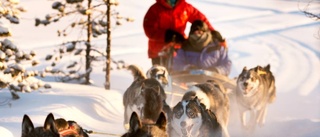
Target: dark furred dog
{"type": "Point", "coordinates": [255, 90]}
{"type": "Point", "coordinates": [48, 130]}
{"type": "Point", "coordinates": [135, 99]}
{"type": "Point", "coordinates": [140, 128]}
{"type": "Point", "coordinates": [153, 102]}
{"type": "Point", "coordinates": [191, 119]}
{"type": "Point", "coordinates": [52, 128]}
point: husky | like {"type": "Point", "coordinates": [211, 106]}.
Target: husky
{"type": "Point", "coordinates": [214, 97]}
{"type": "Point", "coordinates": [52, 128]}
{"type": "Point", "coordinates": [191, 119]}
{"type": "Point", "coordinates": [255, 90]}
{"type": "Point", "coordinates": [138, 128]}
{"type": "Point", "coordinates": [161, 74]}
{"type": "Point", "coordinates": [48, 130]}
{"type": "Point", "coordinates": [135, 97]}
{"type": "Point", "coordinates": [153, 102]}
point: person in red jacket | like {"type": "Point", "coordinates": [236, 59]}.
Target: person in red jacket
{"type": "Point", "coordinates": [165, 22]}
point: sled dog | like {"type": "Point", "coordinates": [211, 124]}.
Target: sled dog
{"type": "Point", "coordinates": [135, 97]}
{"type": "Point", "coordinates": [161, 74]}
{"type": "Point", "coordinates": [52, 128]}
{"type": "Point", "coordinates": [48, 130]}
{"type": "Point", "coordinates": [190, 118]}
{"type": "Point", "coordinates": [214, 97]}
{"type": "Point", "coordinates": [139, 128]}
{"type": "Point", "coordinates": [255, 90]}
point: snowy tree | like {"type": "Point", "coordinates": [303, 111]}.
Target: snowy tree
{"type": "Point", "coordinates": [89, 16]}
{"type": "Point", "coordinates": [14, 62]}
{"type": "Point", "coordinates": [311, 12]}
{"type": "Point", "coordinates": [9, 11]}
{"type": "Point", "coordinates": [14, 74]}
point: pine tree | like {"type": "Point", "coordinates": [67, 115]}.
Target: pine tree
{"type": "Point", "coordinates": [10, 11]}
{"type": "Point", "coordinates": [91, 17]}
{"type": "Point", "coordinates": [13, 61]}
{"type": "Point", "coordinates": [307, 10]}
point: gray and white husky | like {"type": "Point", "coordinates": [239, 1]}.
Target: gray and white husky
{"type": "Point", "coordinates": [255, 90]}
{"type": "Point", "coordinates": [161, 74]}
{"type": "Point", "coordinates": [214, 98]}
{"type": "Point", "coordinates": [191, 119]}
{"type": "Point", "coordinates": [135, 97]}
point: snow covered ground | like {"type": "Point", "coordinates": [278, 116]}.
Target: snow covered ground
{"type": "Point", "coordinates": [262, 32]}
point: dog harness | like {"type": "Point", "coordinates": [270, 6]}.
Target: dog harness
{"type": "Point", "coordinates": [70, 131]}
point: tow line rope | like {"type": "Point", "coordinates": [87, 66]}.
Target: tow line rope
{"type": "Point", "coordinates": [101, 133]}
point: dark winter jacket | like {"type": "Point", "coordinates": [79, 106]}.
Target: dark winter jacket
{"type": "Point", "coordinates": [212, 57]}
{"type": "Point", "coordinates": [161, 17]}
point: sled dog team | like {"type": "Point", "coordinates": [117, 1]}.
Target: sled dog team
{"type": "Point", "coordinates": [202, 112]}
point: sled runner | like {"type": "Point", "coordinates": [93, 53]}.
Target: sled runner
{"type": "Point", "coordinates": [181, 80]}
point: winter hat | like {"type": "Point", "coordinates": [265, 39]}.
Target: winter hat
{"type": "Point", "coordinates": [199, 41]}
{"type": "Point", "coordinates": [198, 25]}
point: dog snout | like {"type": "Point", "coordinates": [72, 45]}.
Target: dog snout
{"type": "Point", "coordinates": [164, 81]}
{"type": "Point", "coordinates": [183, 124]}
{"type": "Point", "coordinates": [245, 83]}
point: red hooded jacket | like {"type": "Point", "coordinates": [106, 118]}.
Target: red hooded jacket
{"type": "Point", "coordinates": [161, 16]}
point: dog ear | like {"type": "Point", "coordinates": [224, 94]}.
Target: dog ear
{"type": "Point", "coordinates": [267, 68]}
{"type": "Point", "coordinates": [135, 123]}
{"type": "Point", "coordinates": [257, 68]}
{"type": "Point", "coordinates": [244, 68]}
{"type": "Point", "coordinates": [164, 73]}
{"type": "Point", "coordinates": [27, 125]}
{"type": "Point", "coordinates": [49, 124]}
{"type": "Point", "coordinates": [162, 121]}
{"type": "Point", "coordinates": [260, 71]}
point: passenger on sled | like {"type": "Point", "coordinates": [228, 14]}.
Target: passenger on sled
{"type": "Point", "coordinates": [204, 49]}
{"type": "Point", "coordinates": [164, 24]}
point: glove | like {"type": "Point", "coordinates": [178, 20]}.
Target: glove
{"type": "Point", "coordinates": [223, 44]}
{"type": "Point", "coordinates": [173, 36]}
{"type": "Point", "coordinates": [216, 35]}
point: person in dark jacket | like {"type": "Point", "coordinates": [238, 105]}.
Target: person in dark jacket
{"type": "Point", "coordinates": [165, 22]}
{"type": "Point", "coordinates": [203, 50]}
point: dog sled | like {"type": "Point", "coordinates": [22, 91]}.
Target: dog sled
{"type": "Point", "coordinates": [180, 80]}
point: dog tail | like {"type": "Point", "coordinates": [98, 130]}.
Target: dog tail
{"type": "Point", "coordinates": [136, 72]}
